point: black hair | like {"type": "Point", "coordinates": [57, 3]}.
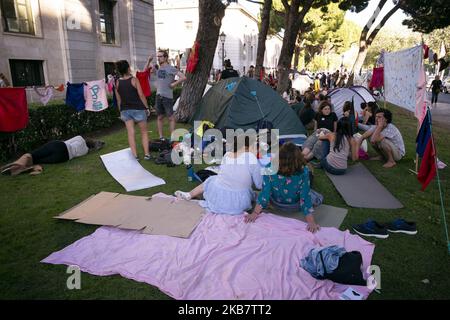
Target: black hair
{"type": "Point", "coordinates": [343, 130]}
{"type": "Point", "coordinates": [122, 67]}
{"type": "Point", "coordinates": [347, 106]}
{"type": "Point", "coordinates": [164, 53]}
{"type": "Point", "coordinates": [322, 97]}
{"type": "Point", "coordinates": [386, 113]}
{"type": "Point", "coordinates": [373, 107]}
{"type": "Point", "coordinates": [363, 105]}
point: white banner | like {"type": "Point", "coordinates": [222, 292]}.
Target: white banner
{"type": "Point", "coordinates": [124, 167]}
{"type": "Point", "coordinates": [402, 73]}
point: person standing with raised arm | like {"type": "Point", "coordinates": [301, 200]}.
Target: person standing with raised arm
{"type": "Point", "coordinates": [164, 93]}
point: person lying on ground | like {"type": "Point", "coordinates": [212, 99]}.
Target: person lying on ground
{"type": "Point", "coordinates": [289, 188]}
{"type": "Point", "coordinates": [385, 138]}
{"type": "Point", "coordinates": [337, 147]}
{"type": "Point", "coordinates": [230, 192]}
{"type": "Point", "coordinates": [55, 151]}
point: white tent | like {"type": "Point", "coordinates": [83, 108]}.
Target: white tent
{"type": "Point", "coordinates": [301, 83]}
{"type": "Point", "coordinates": [357, 94]}
{"type": "Point", "coordinates": [175, 105]}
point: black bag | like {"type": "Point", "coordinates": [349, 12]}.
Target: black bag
{"type": "Point", "coordinates": [205, 174]}
{"type": "Point", "coordinates": [348, 270]}
{"type": "Point", "coordinates": [165, 157]}
{"type": "Point", "coordinates": [159, 145]}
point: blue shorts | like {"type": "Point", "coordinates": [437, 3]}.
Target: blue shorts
{"type": "Point", "coordinates": [135, 115]}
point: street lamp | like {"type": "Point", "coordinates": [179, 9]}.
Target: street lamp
{"type": "Point", "coordinates": [222, 38]}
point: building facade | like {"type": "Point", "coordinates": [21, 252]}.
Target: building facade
{"type": "Point", "coordinates": [176, 24]}
{"type": "Point", "coordinates": [48, 42]}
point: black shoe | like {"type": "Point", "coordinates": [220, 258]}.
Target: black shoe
{"type": "Point", "coordinates": [148, 157]}
{"type": "Point", "coordinates": [402, 226]}
{"type": "Point", "coordinates": [371, 229]}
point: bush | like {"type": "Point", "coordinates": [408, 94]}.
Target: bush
{"type": "Point", "coordinates": [53, 122]}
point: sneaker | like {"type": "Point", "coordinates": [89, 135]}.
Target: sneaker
{"type": "Point", "coordinates": [148, 157]}
{"type": "Point", "coordinates": [402, 226]}
{"type": "Point", "coordinates": [183, 195]}
{"type": "Point", "coordinates": [371, 229]}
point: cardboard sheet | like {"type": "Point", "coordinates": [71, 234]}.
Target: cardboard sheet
{"type": "Point", "coordinates": [157, 216]}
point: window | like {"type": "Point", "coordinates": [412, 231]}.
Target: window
{"type": "Point", "coordinates": [109, 69]}
{"type": "Point", "coordinates": [27, 73]}
{"type": "Point", "coordinates": [17, 16]}
{"type": "Point", "coordinates": [107, 21]}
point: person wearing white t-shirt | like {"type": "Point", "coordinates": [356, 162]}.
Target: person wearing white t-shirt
{"type": "Point", "coordinates": [55, 151]}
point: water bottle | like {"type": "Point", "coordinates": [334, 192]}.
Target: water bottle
{"type": "Point", "coordinates": [190, 173]}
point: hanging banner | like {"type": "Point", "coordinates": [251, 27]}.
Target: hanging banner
{"type": "Point", "coordinates": [402, 78]}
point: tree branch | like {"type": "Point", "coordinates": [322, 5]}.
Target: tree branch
{"type": "Point", "coordinates": [374, 33]}
{"type": "Point", "coordinates": [285, 4]}
{"type": "Point", "coordinates": [372, 19]}
{"type": "Point", "coordinates": [257, 2]}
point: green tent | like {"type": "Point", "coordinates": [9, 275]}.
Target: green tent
{"type": "Point", "coordinates": [242, 102]}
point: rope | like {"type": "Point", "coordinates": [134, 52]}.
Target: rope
{"type": "Point", "coordinates": [439, 182]}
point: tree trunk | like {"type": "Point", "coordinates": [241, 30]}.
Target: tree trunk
{"type": "Point", "coordinates": [363, 45]}
{"type": "Point", "coordinates": [211, 13]}
{"type": "Point", "coordinates": [262, 36]}
{"type": "Point", "coordinates": [293, 22]}
{"type": "Point", "coordinates": [296, 56]}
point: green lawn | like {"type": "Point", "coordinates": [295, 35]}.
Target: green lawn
{"type": "Point", "coordinates": [28, 233]}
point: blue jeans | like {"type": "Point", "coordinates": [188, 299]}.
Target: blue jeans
{"type": "Point", "coordinates": [324, 163]}
{"type": "Point", "coordinates": [434, 97]}
{"type": "Point", "coordinates": [132, 114]}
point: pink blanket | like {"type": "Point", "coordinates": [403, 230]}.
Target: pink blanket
{"type": "Point", "coordinates": [223, 259]}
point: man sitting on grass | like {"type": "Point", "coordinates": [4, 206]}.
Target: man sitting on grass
{"type": "Point", "coordinates": [385, 138]}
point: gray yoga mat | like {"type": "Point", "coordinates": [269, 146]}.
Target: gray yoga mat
{"type": "Point", "coordinates": [360, 189]}
{"type": "Point", "coordinates": [324, 215]}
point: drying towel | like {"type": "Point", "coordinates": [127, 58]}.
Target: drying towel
{"type": "Point", "coordinates": [45, 96]}
{"type": "Point", "coordinates": [13, 109]}
{"type": "Point", "coordinates": [144, 80]}
{"type": "Point", "coordinates": [95, 96]}
{"type": "Point", "coordinates": [75, 96]}
{"type": "Point", "coordinates": [377, 78]}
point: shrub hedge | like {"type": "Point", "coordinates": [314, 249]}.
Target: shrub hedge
{"type": "Point", "coordinates": [58, 121]}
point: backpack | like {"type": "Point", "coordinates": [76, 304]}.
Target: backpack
{"type": "Point", "coordinates": [348, 270]}
{"type": "Point", "coordinates": [159, 145]}
{"type": "Point", "coordinates": [165, 157]}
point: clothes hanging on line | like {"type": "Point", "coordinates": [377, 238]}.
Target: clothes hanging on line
{"type": "Point", "coordinates": [13, 109]}
{"type": "Point", "coordinates": [377, 80]}
{"type": "Point", "coordinates": [144, 80]}
{"type": "Point", "coordinates": [75, 96]}
{"type": "Point", "coordinates": [110, 83]}
{"type": "Point", "coordinates": [45, 96]}
{"type": "Point", "coordinates": [95, 96]}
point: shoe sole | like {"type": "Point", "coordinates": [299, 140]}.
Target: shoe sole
{"type": "Point", "coordinates": [380, 236]}
{"type": "Point", "coordinates": [403, 231]}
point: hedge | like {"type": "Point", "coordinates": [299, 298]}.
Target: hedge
{"type": "Point", "coordinates": [58, 121]}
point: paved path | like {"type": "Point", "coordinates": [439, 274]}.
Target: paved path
{"type": "Point", "coordinates": [441, 113]}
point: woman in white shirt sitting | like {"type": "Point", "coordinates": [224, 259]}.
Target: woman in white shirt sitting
{"type": "Point", "coordinates": [230, 192]}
